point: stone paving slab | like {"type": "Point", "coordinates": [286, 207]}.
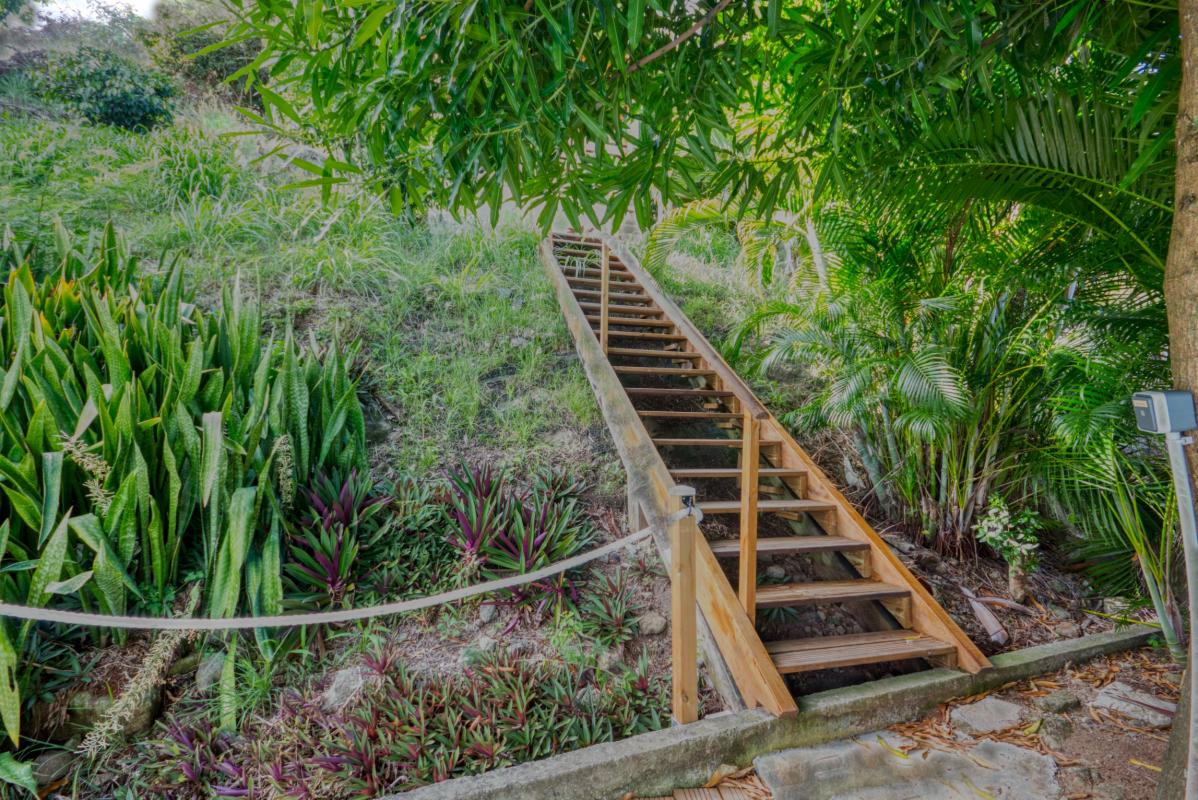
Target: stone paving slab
{"type": "Point", "coordinates": [873, 767]}
{"type": "Point", "coordinates": [1137, 706]}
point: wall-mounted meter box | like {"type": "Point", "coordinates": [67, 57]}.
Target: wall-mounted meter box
{"type": "Point", "coordinates": [1164, 412]}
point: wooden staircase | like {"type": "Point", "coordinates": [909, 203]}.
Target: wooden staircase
{"type": "Point", "coordinates": [721, 439]}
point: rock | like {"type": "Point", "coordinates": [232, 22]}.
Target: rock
{"type": "Point", "coordinates": [485, 644]}
{"type": "Point", "coordinates": [928, 560]}
{"type": "Point", "coordinates": [987, 715]}
{"type": "Point", "coordinates": [49, 767]}
{"type": "Point", "coordinates": [1069, 630]}
{"type": "Point", "coordinates": [610, 659]}
{"type": "Point", "coordinates": [343, 688]}
{"type": "Point", "coordinates": [850, 475]}
{"type": "Point", "coordinates": [1058, 612]}
{"type": "Point", "coordinates": [1116, 606]}
{"type": "Point", "coordinates": [1086, 776]}
{"type": "Point", "coordinates": [899, 543]}
{"type": "Point", "coordinates": [1137, 706]}
{"type": "Point", "coordinates": [867, 768]}
{"type": "Point", "coordinates": [775, 572]}
{"type": "Point", "coordinates": [586, 697]}
{"type": "Point", "coordinates": [186, 664]}
{"type": "Point", "coordinates": [85, 709]}
{"type": "Point", "coordinates": [1110, 792]}
{"type": "Point", "coordinates": [208, 672]}
{"type": "Point", "coordinates": [652, 624]}
{"type": "Point", "coordinates": [1057, 702]}
{"type": "Point", "coordinates": [517, 341]}
{"type": "Point", "coordinates": [1054, 730]}
{"type": "Point", "coordinates": [486, 613]}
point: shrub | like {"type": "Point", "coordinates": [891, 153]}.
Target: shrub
{"type": "Point", "coordinates": [192, 164]}
{"type": "Point", "coordinates": [609, 610]}
{"type": "Point", "coordinates": [143, 437]}
{"type": "Point", "coordinates": [109, 89]}
{"type": "Point", "coordinates": [180, 34]}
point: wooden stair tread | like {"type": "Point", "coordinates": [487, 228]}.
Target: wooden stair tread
{"type": "Point", "coordinates": [618, 309]}
{"type": "Point", "coordinates": [733, 506]}
{"type": "Point", "coordinates": [614, 297]}
{"type": "Point", "coordinates": [790, 545]}
{"type": "Point", "coordinates": [653, 391]}
{"type": "Point", "coordinates": [824, 652]}
{"type": "Point", "coordinates": [690, 414]}
{"type": "Point", "coordinates": [633, 322]}
{"type": "Point", "coordinates": [618, 284]}
{"type": "Point", "coordinates": [734, 472]}
{"type": "Point", "coordinates": [681, 355]}
{"type": "Point", "coordinates": [683, 442]}
{"type": "Point", "coordinates": [647, 336]}
{"type": "Point", "coordinates": [673, 372]}
{"type": "Point", "coordinates": [822, 592]}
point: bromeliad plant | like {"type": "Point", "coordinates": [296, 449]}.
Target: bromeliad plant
{"type": "Point", "coordinates": [342, 518]}
{"type": "Point", "coordinates": [141, 436]}
{"type": "Point", "coordinates": [501, 531]}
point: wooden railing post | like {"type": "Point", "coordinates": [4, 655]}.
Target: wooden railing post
{"type": "Point", "coordinates": [604, 295]}
{"type": "Point", "coordinates": [683, 622]}
{"type": "Point", "coordinates": [750, 456]}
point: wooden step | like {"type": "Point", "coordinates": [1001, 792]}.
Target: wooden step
{"type": "Point", "coordinates": [647, 336]}
{"type": "Point", "coordinates": [647, 391]}
{"type": "Point", "coordinates": [734, 472]}
{"type": "Point", "coordinates": [613, 308]}
{"type": "Point", "coordinates": [632, 352]}
{"type": "Point", "coordinates": [614, 297]}
{"type": "Point", "coordinates": [766, 506]}
{"type": "Point", "coordinates": [632, 322]}
{"type": "Point", "coordinates": [615, 274]}
{"type": "Point", "coordinates": [671, 372]}
{"type": "Point", "coordinates": [690, 414]}
{"type": "Point", "coordinates": [826, 652]}
{"type": "Point", "coordinates": [791, 546]}
{"type": "Point", "coordinates": [678, 442]}
{"type": "Point", "coordinates": [622, 285]}
{"type": "Point", "coordinates": [824, 592]}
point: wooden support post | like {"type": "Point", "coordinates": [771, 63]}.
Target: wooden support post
{"type": "Point", "coordinates": [683, 622]}
{"type": "Point", "coordinates": [604, 297]}
{"type": "Point", "coordinates": [750, 459]}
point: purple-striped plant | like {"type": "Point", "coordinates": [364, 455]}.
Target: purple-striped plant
{"type": "Point", "coordinates": [481, 503]}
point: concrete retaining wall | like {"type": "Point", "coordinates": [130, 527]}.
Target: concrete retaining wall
{"type": "Point", "coordinates": [658, 762]}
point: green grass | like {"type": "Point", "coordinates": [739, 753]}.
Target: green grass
{"type": "Point", "coordinates": [466, 350]}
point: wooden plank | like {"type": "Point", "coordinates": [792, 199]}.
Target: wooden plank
{"type": "Point", "coordinates": [672, 442]}
{"type": "Point", "coordinates": [827, 652]}
{"type": "Point", "coordinates": [817, 593]}
{"type": "Point", "coordinates": [750, 458]}
{"type": "Point", "coordinates": [626, 286]}
{"type": "Point", "coordinates": [633, 352]}
{"type": "Point", "coordinates": [729, 415]}
{"type": "Point", "coordinates": [636, 311]}
{"type": "Point", "coordinates": [636, 323]}
{"type": "Point", "coordinates": [685, 678]}
{"type": "Point", "coordinates": [765, 506]}
{"type": "Point", "coordinates": [605, 299]}
{"type": "Point", "coordinates": [734, 472]}
{"type": "Point", "coordinates": [671, 372]}
{"type": "Point", "coordinates": [653, 391]}
{"type": "Point", "coordinates": [790, 546]}
{"type": "Point", "coordinates": [616, 297]}
{"type": "Point", "coordinates": [648, 336]}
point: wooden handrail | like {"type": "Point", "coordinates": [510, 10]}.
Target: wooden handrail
{"type": "Point", "coordinates": [750, 458]}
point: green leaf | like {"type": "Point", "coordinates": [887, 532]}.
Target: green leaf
{"type": "Point", "coordinates": [371, 24]}
{"type": "Point", "coordinates": [49, 565]}
{"type": "Point", "coordinates": [17, 773]}
{"type": "Point", "coordinates": [228, 688]}
{"type": "Point", "coordinates": [212, 465]}
{"type": "Point", "coordinates": [10, 691]}
{"type": "Point", "coordinates": [52, 483]}
{"type": "Point", "coordinates": [71, 585]}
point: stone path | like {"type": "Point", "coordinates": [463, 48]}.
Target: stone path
{"type": "Point", "coordinates": [874, 767]}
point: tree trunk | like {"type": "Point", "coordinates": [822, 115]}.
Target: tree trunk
{"type": "Point", "coordinates": [1181, 268]}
